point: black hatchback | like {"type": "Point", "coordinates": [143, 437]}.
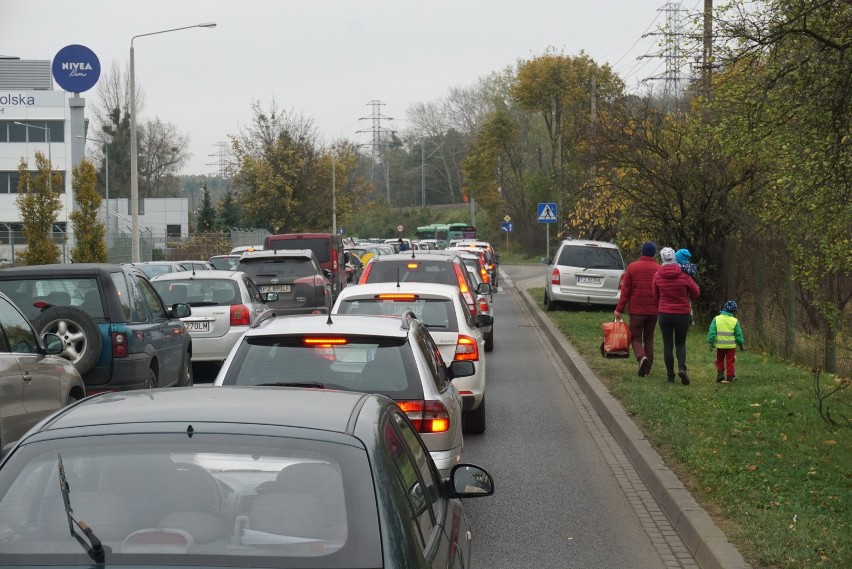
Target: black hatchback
{"type": "Point", "coordinates": [290, 281]}
{"type": "Point", "coordinates": [114, 327]}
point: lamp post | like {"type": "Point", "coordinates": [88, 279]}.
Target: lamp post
{"type": "Point", "coordinates": [106, 157]}
{"type": "Point", "coordinates": [134, 174]}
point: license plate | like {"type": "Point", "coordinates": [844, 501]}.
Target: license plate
{"type": "Point", "coordinates": [275, 288]}
{"type": "Point", "coordinates": [198, 326]}
{"type": "Point", "coordinates": [589, 280]}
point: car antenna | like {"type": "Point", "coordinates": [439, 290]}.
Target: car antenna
{"type": "Point", "coordinates": [397, 277]}
{"type": "Point", "coordinates": [328, 304]}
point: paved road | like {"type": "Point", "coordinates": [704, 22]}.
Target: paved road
{"type": "Point", "coordinates": [566, 494]}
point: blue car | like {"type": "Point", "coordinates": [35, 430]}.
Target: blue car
{"type": "Point", "coordinates": [115, 328]}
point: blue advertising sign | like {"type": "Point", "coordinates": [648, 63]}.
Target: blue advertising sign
{"type": "Point", "coordinates": [546, 213]}
{"type": "Point", "coordinates": [507, 226]}
{"type": "Point", "coordinates": [76, 68]}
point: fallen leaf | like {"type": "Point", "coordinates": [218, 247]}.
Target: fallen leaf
{"type": "Point", "coordinates": [830, 442]}
{"type": "Point", "coordinates": [570, 537]}
{"type": "Point", "coordinates": [755, 404]}
{"type": "Point", "coordinates": [756, 415]}
{"type": "Point", "coordinates": [784, 437]}
{"type": "Point", "coordinates": [751, 467]}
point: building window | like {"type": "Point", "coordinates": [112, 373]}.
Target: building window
{"type": "Point", "coordinates": [141, 202]}
{"type": "Point", "coordinates": [9, 181]}
{"type": "Point", "coordinates": [11, 132]}
{"type": "Point", "coordinates": [173, 231]}
{"type": "Point", "coordinates": [17, 132]}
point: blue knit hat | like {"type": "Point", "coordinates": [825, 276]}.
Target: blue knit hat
{"type": "Point", "coordinates": [648, 249]}
{"type": "Point", "coordinates": [730, 306]}
{"type": "Point", "coordinates": [683, 256]}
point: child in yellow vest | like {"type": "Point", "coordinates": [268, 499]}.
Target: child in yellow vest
{"type": "Point", "coordinates": [726, 335]}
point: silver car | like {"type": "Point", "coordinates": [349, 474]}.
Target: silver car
{"type": "Point", "coordinates": [224, 305]}
{"type": "Point", "coordinates": [34, 380]}
{"type": "Point", "coordinates": [584, 272]}
{"type": "Point", "coordinates": [395, 357]}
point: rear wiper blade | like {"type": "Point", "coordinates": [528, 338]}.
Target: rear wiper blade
{"type": "Point", "coordinates": [316, 384]}
{"type": "Point", "coordinates": [94, 547]}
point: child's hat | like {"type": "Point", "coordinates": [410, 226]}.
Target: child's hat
{"type": "Point", "coordinates": [667, 255]}
{"type": "Point", "coordinates": [730, 306]}
{"type": "Point", "coordinates": [683, 256]}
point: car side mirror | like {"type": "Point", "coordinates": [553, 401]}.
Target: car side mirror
{"type": "Point", "coordinates": [461, 369]}
{"type": "Point", "coordinates": [52, 344]}
{"type": "Point", "coordinates": [484, 289]}
{"type": "Point", "coordinates": [484, 320]}
{"type": "Point", "coordinates": [271, 296]}
{"type": "Point", "coordinates": [327, 273]}
{"type": "Point", "coordinates": [469, 481]}
{"type": "Point", "coordinates": [181, 310]}
{"type": "Point", "coordinates": [547, 260]}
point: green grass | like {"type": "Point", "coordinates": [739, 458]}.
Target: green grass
{"type": "Point", "coordinates": [756, 453]}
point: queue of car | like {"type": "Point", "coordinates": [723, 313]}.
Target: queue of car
{"type": "Point", "coordinates": [333, 433]}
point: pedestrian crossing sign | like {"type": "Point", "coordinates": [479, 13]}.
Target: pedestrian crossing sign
{"type": "Point", "coordinates": [547, 213]}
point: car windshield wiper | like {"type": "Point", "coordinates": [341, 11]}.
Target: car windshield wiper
{"type": "Point", "coordinates": [94, 547]}
{"type": "Point", "coordinates": [316, 384]}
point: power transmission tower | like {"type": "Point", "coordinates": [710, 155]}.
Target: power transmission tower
{"type": "Point", "coordinates": [222, 155]}
{"type": "Point", "coordinates": [380, 140]}
{"type": "Point", "coordinates": [672, 53]}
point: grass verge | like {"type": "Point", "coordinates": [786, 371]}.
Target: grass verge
{"type": "Point", "coordinates": [756, 453]}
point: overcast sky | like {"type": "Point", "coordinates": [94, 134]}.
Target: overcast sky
{"type": "Point", "coordinates": [325, 59]}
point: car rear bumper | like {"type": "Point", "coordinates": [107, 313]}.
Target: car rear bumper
{"type": "Point", "coordinates": [445, 460]}
{"type": "Point", "coordinates": [474, 385]}
{"type": "Point", "coordinates": [583, 295]}
{"type": "Point", "coordinates": [130, 372]}
{"type": "Point", "coordinates": [216, 349]}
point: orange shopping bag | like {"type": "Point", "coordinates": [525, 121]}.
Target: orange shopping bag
{"type": "Point", "coordinates": [616, 340]}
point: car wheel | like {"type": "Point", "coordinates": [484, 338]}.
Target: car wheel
{"type": "Point", "coordinates": [151, 381]}
{"type": "Point", "coordinates": [186, 370]}
{"type": "Point", "coordinates": [550, 305]}
{"type": "Point", "coordinates": [474, 421]}
{"type": "Point", "coordinates": [489, 341]}
{"type": "Point", "coordinates": [81, 339]}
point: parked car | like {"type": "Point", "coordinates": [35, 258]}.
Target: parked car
{"type": "Point", "coordinates": [195, 265]}
{"type": "Point", "coordinates": [246, 249]}
{"type": "Point", "coordinates": [154, 268]}
{"type": "Point", "coordinates": [233, 477]}
{"type": "Point", "coordinates": [290, 281]}
{"type": "Point", "coordinates": [442, 310]}
{"type": "Point", "coordinates": [224, 305]}
{"type": "Point", "coordinates": [115, 328]}
{"type": "Point", "coordinates": [34, 380]}
{"type": "Point", "coordinates": [224, 262]}
{"type": "Point", "coordinates": [485, 301]}
{"type": "Point", "coordinates": [396, 357]}
{"type": "Point", "coordinates": [327, 248]}
{"type": "Point", "coordinates": [584, 272]}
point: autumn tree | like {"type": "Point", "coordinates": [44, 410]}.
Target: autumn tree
{"type": "Point", "coordinates": [89, 232]}
{"type": "Point", "coordinates": [227, 211]}
{"type": "Point", "coordinates": [205, 221]}
{"type": "Point", "coordinates": [39, 202]}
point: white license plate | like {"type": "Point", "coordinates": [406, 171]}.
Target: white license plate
{"type": "Point", "coordinates": [198, 326]}
{"type": "Point", "coordinates": [589, 280]}
{"type": "Point", "coordinates": [275, 288]}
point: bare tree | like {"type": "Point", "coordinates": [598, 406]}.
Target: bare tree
{"type": "Point", "coordinates": [162, 151]}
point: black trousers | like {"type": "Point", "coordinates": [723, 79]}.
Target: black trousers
{"type": "Point", "coordinates": [674, 328]}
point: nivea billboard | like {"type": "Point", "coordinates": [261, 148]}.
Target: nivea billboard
{"type": "Point", "coordinates": [76, 68]}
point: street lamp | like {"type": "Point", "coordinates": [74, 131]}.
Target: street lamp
{"type": "Point", "coordinates": [134, 174]}
{"type": "Point", "coordinates": [106, 156]}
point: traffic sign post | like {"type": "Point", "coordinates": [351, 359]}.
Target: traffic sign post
{"type": "Point", "coordinates": [546, 213]}
{"type": "Point", "coordinates": [507, 227]}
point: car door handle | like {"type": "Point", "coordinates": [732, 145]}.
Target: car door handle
{"type": "Point", "coordinates": [27, 377]}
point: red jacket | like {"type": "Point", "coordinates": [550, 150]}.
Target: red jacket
{"type": "Point", "coordinates": [636, 290]}
{"type": "Point", "coordinates": [673, 290]}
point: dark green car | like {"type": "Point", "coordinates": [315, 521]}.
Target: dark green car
{"type": "Point", "coordinates": [232, 477]}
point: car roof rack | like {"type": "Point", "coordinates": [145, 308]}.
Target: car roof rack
{"type": "Point", "coordinates": [264, 316]}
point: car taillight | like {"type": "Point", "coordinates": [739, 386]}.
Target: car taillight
{"type": "Point", "coordinates": [426, 416]}
{"type": "Point", "coordinates": [483, 272]}
{"type": "Point", "coordinates": [483, 305]}
{"type": "Point", "coordinates": [119, 344]}
{"type": "Point", "coordinates": [365, 274]}
{"type": "Point", "coordinates": [466, 349]}
{"type": "Point", "coordinates": [334, 261]}
{"type": "Point", "coordinates": [555, 278]}
{"type": "Point", "coordinates": [240, 315]}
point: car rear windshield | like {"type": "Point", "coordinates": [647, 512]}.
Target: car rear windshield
{"type": "Point", "coordinates": [436, 314]}
{"type": "Point", "coordinates": [235, 500]}
{"type": "Point", "coordinates": [79, 293]}
{"type": "Point", "coordinates": [320, 246]}
{"type": "Point", "coordinates": [278, 267]}
{"type": "Point", "coordinates": [589, 257]}
{"type": "Point", "coordinates": [152, 271]}
{"type": "Point", "coordinates": [199, 292]}
{"type": "Point", "coordinates": [413, 270]}
{"type": "Point", "coordinates": [352, 363]}
{"type": "Point", "coordinates": [227, 263]}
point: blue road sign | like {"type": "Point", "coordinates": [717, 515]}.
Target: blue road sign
{"type": "Point", "coordinates": [507, 226]}
{"type": "Point", "coordinates": [546, 213]}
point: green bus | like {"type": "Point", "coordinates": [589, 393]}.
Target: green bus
{"type": "Point", "coordinates": [437, 231]}
{"type": "Point", "coordinates": [460, 231]}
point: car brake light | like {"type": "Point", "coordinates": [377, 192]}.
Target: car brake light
{"type": "Point", "coordinates": [460, 279]}
{"type": "Point", "coordinates": [365, 274]}
{"type": "Point", "coordinates": [334, 265]}
{"type": "Point", "coordinates": [397, 297]}
{"type": "Point", "coordinates": [484, 273]}
{"type": "Point", "coordinates": [119, 344]}
{"type": "Point", "coordinates": [325, 341]}
{"type": "Point", "coordinates": [483, 305]}
{"type": "Point", "coordinates": [466, 349]}
{"type": "Point", "coordinates": [240, 315]}
{"type": "Point", "coordinates": [426, 416]}
{"type": "Point", "coordinates": [555, 278]}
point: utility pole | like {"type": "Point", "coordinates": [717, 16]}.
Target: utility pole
{"type": "Point", "coordinates": [379, 139]}
{"type": "Point", "coordinates": [707, 55]}
{"type": "Point", "coordinates": [422, 173]}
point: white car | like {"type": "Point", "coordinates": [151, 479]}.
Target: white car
{"type": "Point", "coordinates": [584, 272]}
{"type": "Point", "coordinates": [224, 305]}
{"type": "Point", "coordinates": [442, 309]}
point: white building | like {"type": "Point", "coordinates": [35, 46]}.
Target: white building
{"type": "Point", "coordinates": [32, 113]}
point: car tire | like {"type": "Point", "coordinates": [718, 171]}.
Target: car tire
{"type": "Point", "coordinates": [151, 380]}
{"type": "Point", "coordinates": [473, 421]}
{"type": "Point", "coordinates": [550, 305]}
{"type": "Point", "coordinates": [186, 371]}
{"type": "Point", "coordinates": [81, 338]}
{"type": "Point", "coordinates": [489, 341]}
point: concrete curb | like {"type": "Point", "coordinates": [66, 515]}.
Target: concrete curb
{"type": "Point", "coordinates": [707, 543]}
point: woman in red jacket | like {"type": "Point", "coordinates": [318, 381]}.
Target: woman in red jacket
{"type": "Point", "coordinates": [674, 290]}
{"type": "Point", "coordinates": [637, 295]}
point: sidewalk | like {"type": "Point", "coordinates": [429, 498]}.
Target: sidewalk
{"type": "Point", "coordinates": [707, 543]}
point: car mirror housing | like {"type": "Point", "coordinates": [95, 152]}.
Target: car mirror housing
{"type": "Point", "coordinates": [461, 369]}
{"type": "Point", "coordinates": [52, 344]}
{"type": "Point", "coordinates": [469, 481]}
{"type": "Point", "coordinates": [181, 310]}
{"type": "Point", "coordinates": [484, 320]}
{"type": "Point", "coordinates": [484, 288]}
{"type": "Point", "coordinates": [547, 260]}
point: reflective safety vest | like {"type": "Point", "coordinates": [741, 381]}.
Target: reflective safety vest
{"type": "Point", "coordinates": [725, 326]}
